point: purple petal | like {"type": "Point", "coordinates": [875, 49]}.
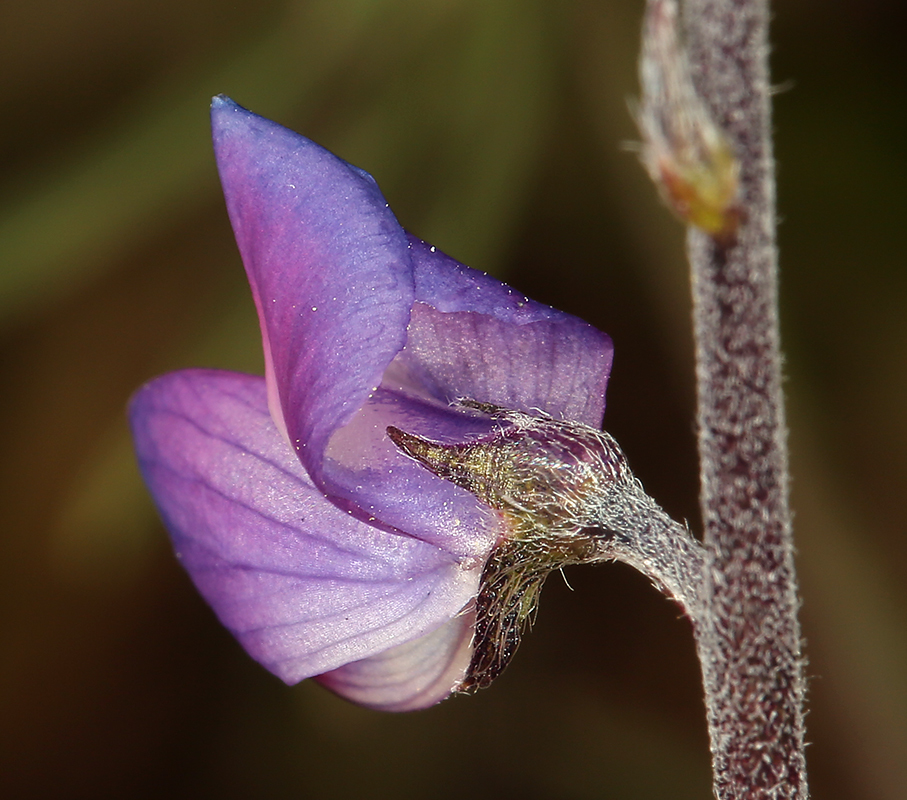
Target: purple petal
{"type": "Point", "coordinates": [469, 336]}
{"type": "Point", "coordinates": [329, 267]}
{"type": "Point", "coordinates": [410, 676]}
{"type": "Point", "coordinates": [335, 279]}
{"type": "Point", "coordinates": [493, 344]}
{"type": "Point", "coordinates": [305, 587]}
{"type": "Point", "coordinates": [365, 468]}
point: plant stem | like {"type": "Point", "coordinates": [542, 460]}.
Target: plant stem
{"type": "Point", "coordinates": [749, 638]}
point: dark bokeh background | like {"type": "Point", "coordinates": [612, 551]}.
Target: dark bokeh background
{"type": "Point", "coordinates": [495, 128]}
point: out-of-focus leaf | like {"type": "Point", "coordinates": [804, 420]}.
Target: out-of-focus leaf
{"type": "Point", "coordinates": [154, 166]}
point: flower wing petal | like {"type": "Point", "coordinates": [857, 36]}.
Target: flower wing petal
{"type": "Point", "coordinates": [304, 586]}
{"type": "Point", "coordinates": [366, 471]}
{"type": "Point", "coordinates": [329, 267]}
{"type": "Point", "coordinates": [472, 336]}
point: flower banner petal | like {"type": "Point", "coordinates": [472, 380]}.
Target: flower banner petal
{"type": "Point", "coordinates": [366, 468]}
{"type": "Point", "coordinates": [304, 586]}
{"type": "Point", "coordinates": [329, 267]}
{"type": "Point", "coordinates": [472, 336]}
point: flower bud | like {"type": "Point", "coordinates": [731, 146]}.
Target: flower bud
{"type": "Point", "coordinates": [685, 152]}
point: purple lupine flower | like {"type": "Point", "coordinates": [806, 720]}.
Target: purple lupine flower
{"type": "Point", "coordinates": [325, 549]}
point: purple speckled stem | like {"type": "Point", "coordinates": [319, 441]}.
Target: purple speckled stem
{"type": "Point", "coordinates": [748, 637]}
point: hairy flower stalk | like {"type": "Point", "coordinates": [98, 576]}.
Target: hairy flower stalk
{"type": "Point", "coordinates": [748, 636]}
{"type": "Point", "coordinates": [568, 497]}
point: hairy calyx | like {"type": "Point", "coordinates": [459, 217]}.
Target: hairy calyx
{"type": "Point", "coordinates": [568, 497]}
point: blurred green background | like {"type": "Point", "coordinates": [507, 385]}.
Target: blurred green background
{"type": "Point", "coordinates": [496, 130]}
